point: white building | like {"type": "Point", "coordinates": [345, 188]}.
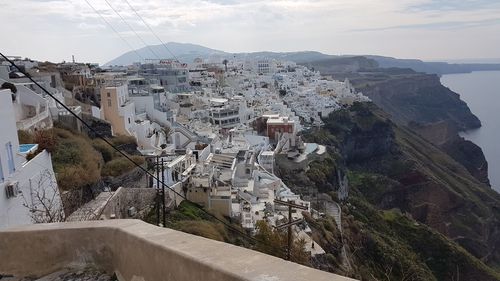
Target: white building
{"type": "Point", "coordinates": [29, 191]}
{"type": "Point", "coordinates": [265, 66]}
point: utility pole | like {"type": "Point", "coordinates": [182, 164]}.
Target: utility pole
{"type": "Point", "coordinates": [291, 205]}
{"type": "Point", "coordinates": [157, 190]}
{"type": "Point", "coordinates": [163, 192]}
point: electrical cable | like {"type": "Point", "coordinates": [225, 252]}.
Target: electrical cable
{"type": "Point", "coordinates": [231, 227]}
{"type": "Point", "coordinates": [118, 33]}
{"type": "Point", "coordinates": [152, 31]}
{"type": "Point", "coordinates": [133, 30]}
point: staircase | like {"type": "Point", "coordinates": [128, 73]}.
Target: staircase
{"type": "Point", "coordinates": [222, 160]}
{"type": "Point", "coordinates": [333, 209]}
{"type": "Point", "coordinates": [191, 137]}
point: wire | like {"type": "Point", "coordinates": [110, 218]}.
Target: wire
{"type": "Point", "coordinates": [118, 33]}
{"type": "Point", "coordinates": [231, 227]}
{"type": "Point", "coordinates": [152, 31]}
{"type": "Point", "coordinates": [133, 30]}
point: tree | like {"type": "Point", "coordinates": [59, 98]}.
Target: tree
{"type": "Point", "coordinates": [224, 62]}
{"type": "Point", "coordinates": [166, 130]}
{"type": "Point", "coordinates": [274, 242]}
{"type": "Point", "coordinates": [44, 203]}
{"type": "Point", "coordinates": [10, 87]}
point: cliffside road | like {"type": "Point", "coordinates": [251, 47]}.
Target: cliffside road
{"type": "Point", "coordinates": [317, 250]}
{"type": "Point", "coordinates": [333, 209]}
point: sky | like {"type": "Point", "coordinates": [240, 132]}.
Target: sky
{"type": "Point", "coordinates": [54, 30]}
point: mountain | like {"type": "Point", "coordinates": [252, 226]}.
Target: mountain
{"type": "Point", "coordinates": [187, 52]}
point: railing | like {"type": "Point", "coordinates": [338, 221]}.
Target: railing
{"type": "Point", "coordinates": [76, 109]}
{"type": "Point", "coordinates": [27, 123]}
{"type": "Point", "coordinates": [186, 132]}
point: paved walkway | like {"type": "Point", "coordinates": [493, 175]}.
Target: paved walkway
{"type": "Point", "coordinates": [317, 250]}
{"type": "Point", "coordinates": [334, 209]}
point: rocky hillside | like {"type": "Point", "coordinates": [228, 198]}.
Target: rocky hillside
{"type": "Point", "coordinates": [420, 101]}
{"type": "Point", "coordinates": [409, 96]}
{"type": "Point", "coordinates": [393, 168]}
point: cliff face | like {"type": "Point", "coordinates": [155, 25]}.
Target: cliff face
{"type": "Point", "coordinates": [418, 98]}
{"type": "Point", "coordinates": [445, 136]}
{"type": "Point", "coordinates": [420, 101]}
{"type": "Point", "coordinates": [426, 183]}
{"type": "Point", "coordinates": [413, 212]}
{"type": "Point", "coordinates": [470, 156]}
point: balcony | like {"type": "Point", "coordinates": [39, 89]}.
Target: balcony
{"type": "Point", "coordinates": [28, 123]}
{"type": "Point", "coordinates": [75, 109]}
{"type": "Point", "coordinates": [135, 250]}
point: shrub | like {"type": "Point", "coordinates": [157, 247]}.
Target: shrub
{"type": "Point", "coordinates": [76, 162]}
{"type": "Point", "coordinates": [24, 137]}
{"type": "Point", "coordinates": [121, 140]}
{"type": "Point", "coordinates": [106, 151]}
{"type": "Point", "coordinates": [120, 166]}
{"type": "Point", "coordinates": [45, 140]}
{"type": "Point", "coordinates": [202, 228]}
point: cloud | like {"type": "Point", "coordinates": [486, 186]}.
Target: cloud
{"type": "Point", "coordinates": [253, 25]}
{"type": "Point", "coordinates": [446, 25]}
{"type": "Point", "coordinates": [454, 5]}
{"type": "Point", "coordinates": [90, 26]}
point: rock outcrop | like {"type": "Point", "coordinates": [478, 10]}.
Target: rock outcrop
{"type": "Point", "coordinates": [426, 183]}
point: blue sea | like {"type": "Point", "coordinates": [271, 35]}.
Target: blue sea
{"type": "Point", "coordinates": [481, 91]}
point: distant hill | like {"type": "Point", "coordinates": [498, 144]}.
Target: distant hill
{"type": "Point", "coordinates": [433, 67]}
{"type": "Point", "coordinates": [187, 52]}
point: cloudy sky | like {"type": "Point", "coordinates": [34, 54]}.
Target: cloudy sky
{"type": "Point", "coordinates": [426, 29]}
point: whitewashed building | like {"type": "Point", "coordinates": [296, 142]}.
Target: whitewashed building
{"type": "Point", "coordinates": [28, 188]}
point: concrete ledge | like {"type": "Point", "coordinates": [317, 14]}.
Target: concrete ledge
{"type": "Point", "coordinates": [135, 250]}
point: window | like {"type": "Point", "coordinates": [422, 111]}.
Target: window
{"type": "Point", "coordinates": [109, 102]}
{"type": "Point", "coordinates": [10, 157]}
{"type": "Point", "coordinates": [109, 94]}
{"type": "Point", "coordinates": [9, 191]}
{"type": "Point", "coordinates": [129, 120]}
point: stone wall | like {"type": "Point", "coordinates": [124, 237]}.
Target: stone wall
{"type": "Point", "coordinates": [135, 250]}
{"type": "Point", "coordinates": [117, 205]}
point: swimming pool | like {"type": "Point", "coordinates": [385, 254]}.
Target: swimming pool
{"type": "Point", "coordinates": [311, 147]}
{"type": "Point", "coordinates": [27, 148]}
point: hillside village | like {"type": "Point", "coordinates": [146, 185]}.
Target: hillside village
{"type": "Point", "coordinates": [210, 131]}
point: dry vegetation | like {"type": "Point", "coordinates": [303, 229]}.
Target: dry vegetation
{"type": "Point", "coordinates": [80, 161]}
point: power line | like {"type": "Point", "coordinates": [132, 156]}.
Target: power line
{"type": "Point", "coordinates": [231, 227]}
{"type": "Point", "coordinates": [133, 30]}
{"type": "Point", "coordinates": [118, 33]}
{"type": "Point", "coordinates": [152, 31]}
